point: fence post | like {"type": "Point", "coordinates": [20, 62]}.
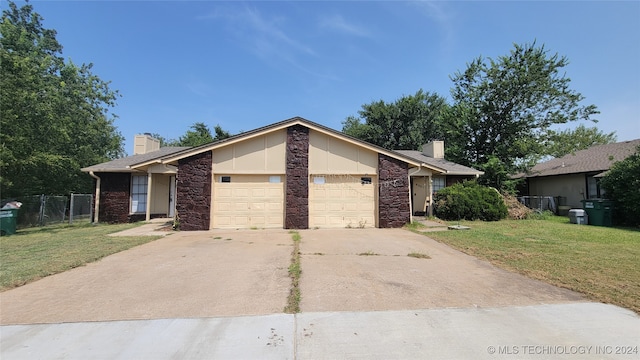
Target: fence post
{"type": "Point", "coordinates": [71, 210]}
{"type": "Point", "coordinates": [41, 214]}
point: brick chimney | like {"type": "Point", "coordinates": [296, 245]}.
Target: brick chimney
{"type": "Point", "coordinates": [434, 149]}
{"type": "Point", "coordinates": [145, 143]}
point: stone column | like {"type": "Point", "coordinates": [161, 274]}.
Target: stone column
{"type": "Point", "coordinates": [393, 192]}
{"type": "Point", "coordinates": [193, 192]}
{"type": "Point", "coordinates": [297, 178]}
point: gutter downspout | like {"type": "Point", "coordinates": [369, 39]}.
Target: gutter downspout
{"type": "Point", "coordinates": [96, 206]}
{"type": "Point", "coordinates": [411, 193]}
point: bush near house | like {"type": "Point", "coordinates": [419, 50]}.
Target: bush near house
{"type": "Point", "coordinates": [622, 184]}
{"type": "Point", "coordinates": [469, 201]}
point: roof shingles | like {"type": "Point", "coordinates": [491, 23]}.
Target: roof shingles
{"type": "Point", "coordinates": [125, 163]}
{"type": "Point", "coordinates": [597, 158]}
{"type": "Point", "coordinates": [448, 167]}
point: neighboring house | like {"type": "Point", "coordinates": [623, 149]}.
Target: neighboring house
{"type": "Point", "coordinates": [576, 176]}
{"type": "Point", "coordinates": [293, 174]}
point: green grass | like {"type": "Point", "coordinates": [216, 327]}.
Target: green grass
{"type": "Point", "coordinates": [295, 270]}
{"type": "Point", "coordinates": [34, 253]}
{"type": "Point", "coordinates": [368, 253]}
{"type": "Point", "coordinates": [602, 263]}
{"type": "Point", "coordinates": [418, 255]}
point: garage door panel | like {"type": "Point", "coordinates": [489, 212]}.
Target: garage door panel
{"type": "Point", "coordinates": [259, 193]}
{"type": "Point", "coordinates": [275, 192]}
{"type": "Point", "coordinates": [341, 202]}
{"type": "Point", "coordinates": [274, 206]}
{"type": "Point", "coordinates": [224, 220]}
{"type": "Point", "coordinates": [224, 193]}
{"type": "Point", "coordinates": [248, 201]}
{"type": "Point", "coordinates": [241, 192]}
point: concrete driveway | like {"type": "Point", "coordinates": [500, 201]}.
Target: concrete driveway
{"type": "Point", "coordinates": [187, 290]}
{"type": "Point", "coordinates": [368, 269]}
{"type": "Point", "coordinates": [244, 272]}
{"type": "Point", "coordinates": [186, 274]}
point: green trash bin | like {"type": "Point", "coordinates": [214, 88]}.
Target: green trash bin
{"type": "Point", "coordinates": [599, 211]}
{"type": "Point", "coordinates": [8, 219]}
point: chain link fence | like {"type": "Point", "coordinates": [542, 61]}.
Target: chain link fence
{"type": "Point", "coordinates": [42, 210]}
{"type": "Point", "coordinates": [80, 207]}
{"type": "Point", "coordinates": [540, 203]}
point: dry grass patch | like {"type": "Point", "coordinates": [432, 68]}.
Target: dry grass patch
{"type": "Point", "coordinates": [418, 255]}
{"type": "Point", "coordinates": [293, 301]}
{"type": "Point", "coordinates": [600, 262]}
{"type": "Point", "coordinates": [368, 253]}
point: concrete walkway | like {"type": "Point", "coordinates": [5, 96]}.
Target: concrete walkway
{"type": "Point", "coordinates": [154, 227]}
{"type": "Point", "coordinates": [430, 225]}
{"type": "Point", "coordinates": [557, 331]}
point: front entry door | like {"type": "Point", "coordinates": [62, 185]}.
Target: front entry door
{"type": "Point", "coordinates": [419, 194]}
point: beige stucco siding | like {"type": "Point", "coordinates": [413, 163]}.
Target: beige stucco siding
{"type": "Point", "coordinates": [329, 155]}
{"type": "Point", "coordinates": [261, 155]}
{"type": "Point", "coordinates": [570, 186]}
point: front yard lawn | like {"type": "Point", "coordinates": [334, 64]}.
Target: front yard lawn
{"type": "Point", "coordinates": [34, 253]}
{"type": "Point", "coordinates": [602, 263]}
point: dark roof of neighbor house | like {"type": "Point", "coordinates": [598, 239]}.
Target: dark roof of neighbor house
{"type": "Point", "coordinates": [448, 167]}
{"type": "Point", "coordinates": [124, 164]}
{"type": "Point", "coordinates": [597, 158]}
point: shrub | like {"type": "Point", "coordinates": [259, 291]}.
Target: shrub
{"type": "Point", "coordinates": [622, 184]}
{"type": "Point", "coordinates": [469, 201]}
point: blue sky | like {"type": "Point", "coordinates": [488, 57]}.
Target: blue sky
{"type": "Point", "coordinates": [248, 64]}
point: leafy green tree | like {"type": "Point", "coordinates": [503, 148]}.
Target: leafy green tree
{"type": "Point", "coordinates": [505, 107]}
{"type": "Point", "coordinates": [622, 184]}
{"type": "Point", "coordinates": [407, 123]}
{"type": "Point", "coordinates": [561, 143]}
{"type": "Point", "coordinates": [55, 117]}
{"type": "Point", "coordinates": [496, 176]}
{"type": "Point", "coordinates": [200, 134]}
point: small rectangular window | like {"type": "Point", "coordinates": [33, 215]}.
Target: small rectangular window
{"type": "Point", "coordinates": [318, 180]}
{"type": "Point", "coordinates": [365, 180]}
{"type": "Point", "coordinates": [225, 179]}
{"type": "Point", "coordinates": [437, 183]}
{"type": "Point", "coordinates": [275, 179]}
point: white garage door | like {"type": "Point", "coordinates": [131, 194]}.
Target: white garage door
{"type": "Point", "coordinates": [245, 201]}
{"type": "Point", "coordinates": [342, 201]}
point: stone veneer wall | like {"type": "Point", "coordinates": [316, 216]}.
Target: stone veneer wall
{"type": "Point", "coordinates": [115, 194]}
{"type": "Point", "coordinates": [297, 178]}
{"type": "Point", "coordinates": [393, 192]}
{"type": "Point", "coordinates": [193, 192]}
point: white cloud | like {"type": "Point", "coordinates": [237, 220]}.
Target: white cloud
{"type": "Point", "coordinates": [338, 23]}
{"type": "Point", "coordinates": [265, 36]}
{"type": "Point", "coordinates": [442, 15]}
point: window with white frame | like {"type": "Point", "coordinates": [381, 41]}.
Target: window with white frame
{"type": "Point", "coordinates": [437, 183]}
{"type": "Point", "coordinates": [138, 193]}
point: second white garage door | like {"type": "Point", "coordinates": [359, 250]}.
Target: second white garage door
{"type": "Point", "coordinates": [245, 201]}
{"type": "Point", "coordinates": [342, 201]}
